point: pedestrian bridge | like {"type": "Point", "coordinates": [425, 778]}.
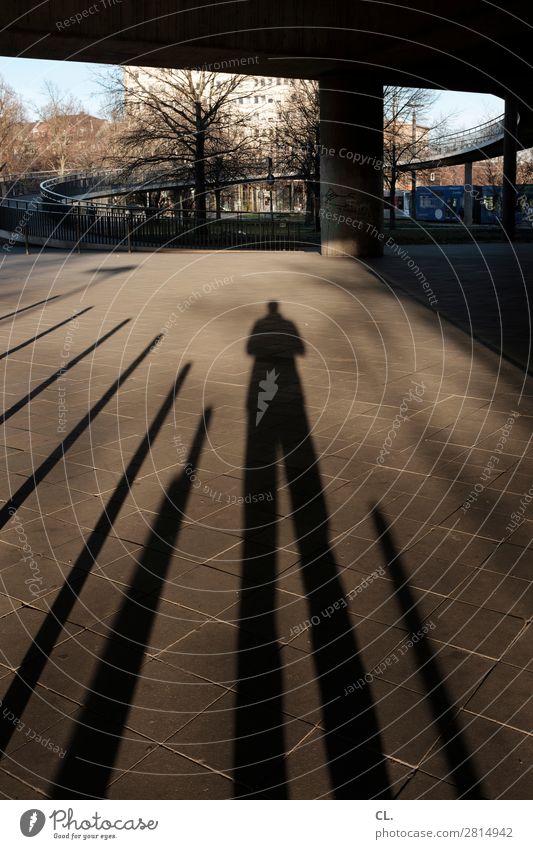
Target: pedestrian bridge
{"type": "Point", "coordinates": [483, 141]}
{"type": "Point", "coordinates": [63, 210]}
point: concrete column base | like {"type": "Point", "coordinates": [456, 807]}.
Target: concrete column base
{"type": "Point", "coordinates": [351, 167]}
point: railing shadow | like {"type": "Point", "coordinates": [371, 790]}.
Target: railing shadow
{"type": "Point", "coordinates": [463, 771]}
{"type": "Point", "coordinates": [29, 307]}
{"type": "Point", "coordinates": [43, 333]}
{"type": "Point", "coordinates": [94, 744]}
{"type": "Point", "coordinates": [31, 667]}
{"type": "Point", "coordinates": [39, 474]}
{"type": "Point", "coordinates": [15, 408]}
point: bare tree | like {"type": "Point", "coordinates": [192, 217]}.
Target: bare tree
{"type": "Point", "coordinates": [524, 167]}
{"type": "Point", "coordinates": [298, 140]}
{"type": "Point", "coordinates": [55, 136]}
{"type": "Point", "coordinates": [406, 138]}
{"type": "Point", "coordinates": [180, 123]}
{"type": "Point", "coordinates": [236, 159]}
{"type": "Point", "coordinates": [12, 129]}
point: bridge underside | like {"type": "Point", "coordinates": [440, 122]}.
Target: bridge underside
{"type": "Point", "coordinates": [353, 49]}
{"type": "Point", "coordinates": [459, 47]}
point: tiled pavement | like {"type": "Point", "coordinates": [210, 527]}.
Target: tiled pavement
{"type": "Point", "coordinates": [347, 628]}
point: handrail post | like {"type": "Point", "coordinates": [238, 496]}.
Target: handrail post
{"type": "Point", "coordinates": [78, 229]}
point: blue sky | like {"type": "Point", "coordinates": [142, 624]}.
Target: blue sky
{"type": "Point", "coordinates": [28, 75]}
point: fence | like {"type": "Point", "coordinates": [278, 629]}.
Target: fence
{"type": "Point", "coordinates": [474, 137]}
{"type": "Point", "coordinates": [130, 229]}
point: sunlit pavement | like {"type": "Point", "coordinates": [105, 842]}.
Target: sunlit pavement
{"type": "Point", "coordinates": [333, 600]}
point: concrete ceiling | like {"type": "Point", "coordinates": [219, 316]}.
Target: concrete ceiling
{"type": "Point", "coordinates": [473, 46]}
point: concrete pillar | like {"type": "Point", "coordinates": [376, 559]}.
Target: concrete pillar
{"type": "Point", "coordinates": [509, 192]}
{"type": "Point", "coordinates": [467, 195]}
{"type": "Point", "coordinates": [351, 163]}
{"type": "Point", "coordinates": [412, 199]}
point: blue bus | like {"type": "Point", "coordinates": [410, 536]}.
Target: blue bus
{"type": "Point", "coordinates": [491, 204]}
{"type": "Point", "coordinates": [441, 204]}
{"type": "Point", "coordinates": [446, 204]}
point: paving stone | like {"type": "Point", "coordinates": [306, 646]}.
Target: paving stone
{"type": "Point", "coordinates": [44, 710]}
{"type": "Point", "coordinates": [13, 788]}
{"type": "Point", "coordinates": [510, 560]}
{"type": "Point", "coordinates": [210, 739]}
{"type": "Point", "coordinates": [501, 759]}
{"type": "Point", "coordinates": [422, 786]}
{"type": "Point", "coordinates": [223, 594]}
{"type": "Point", "coordinates": [39, 765]}
{"type": "Point", "coordinates": [167, 698]}
{"type": "Point", "coordinates": [170, 776]}
{"type": "Point", "coordinates": [506, 696]}
{"type": "Point", "coordinates": [310, 777]}
{"type": "Point", "coordinates": [210, 652]}
{"type": "Point", "coordinates": [497, 592]}
{"type": "Point", "coordinates": [171, 624]}
{"type": "Point", "coordinates": [17, 631]}
{"type": "Point", "coordinates": [520, 652]}
{"type": "Point", "coordinates": [475, 629]}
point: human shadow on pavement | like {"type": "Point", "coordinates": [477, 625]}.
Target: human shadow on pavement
{"type": "Point", "coordinates": [278, 435]}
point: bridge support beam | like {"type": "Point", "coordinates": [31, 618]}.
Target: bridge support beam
{"type": "Point", "coordinates": [510, 145]}
{"type": "Point", "coordinates": [412, 200]}
{"type": "Point", "coordinates": [351, 154]}
{"type": "Point", "coordinates": [468, 195]}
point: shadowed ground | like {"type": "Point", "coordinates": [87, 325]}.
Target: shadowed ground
{"type": "Point", "coordinates": [236, 556]}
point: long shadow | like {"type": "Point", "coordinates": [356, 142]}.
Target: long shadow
{"type": "Point", "coordinates": [36, 658]}
{"type": "Point", "coordinates": [259, 730]}
{"type": "Point", "coordinates": [463, 770]}
{"type": "Point", "coordinates": [110, 272]}
{"type": "Point", "coordinates": [93, 747]}
{"type": "Point", "coordinates": [59, 373]}
{"type": "Point", "coordinates": [44, 333]}
{"type": "Point", "coordinates": [29, 307]}
{"type": "Point", "coordinates": [277, 421]}
{"type": "Point", "coordinates": [18, 498]}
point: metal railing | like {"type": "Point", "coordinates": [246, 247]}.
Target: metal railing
{"type": "Point", "coordinates": [80, 226]}
{"type": "Point", "coordinates": [87, 188]}
{"type": "Point", "coordinates": [453, 143]}
{"type": "Point", "coordinates": [29, 182]}
{"type": "Point", "coordinates": [68, 189]}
